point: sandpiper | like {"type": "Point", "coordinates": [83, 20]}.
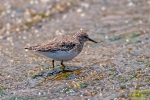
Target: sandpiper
{"type": "Point", "coordinates": [63, 48]}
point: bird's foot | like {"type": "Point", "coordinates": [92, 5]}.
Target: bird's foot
{"type": "Point", "coordinates": [62, 67]}
{"type": "Point", "coordinates": [51, 67]}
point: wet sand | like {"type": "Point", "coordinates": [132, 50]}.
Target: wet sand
{"type": "Point", "coordinates": [118, 67]}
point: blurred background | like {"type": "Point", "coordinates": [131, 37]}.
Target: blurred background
{"type": "Point", "coordinates": [117, 68]}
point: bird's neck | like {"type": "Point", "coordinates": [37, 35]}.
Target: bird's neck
{"type": "Point", "coordinates": [80, 46]}
{"type": "Point", "coordinates": [80, 43]}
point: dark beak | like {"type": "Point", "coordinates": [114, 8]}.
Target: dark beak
{"type": "Point", "coordinates": [92, 40]}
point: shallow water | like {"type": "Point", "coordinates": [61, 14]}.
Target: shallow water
{"type": "Point", "coordinates": [118, 67]}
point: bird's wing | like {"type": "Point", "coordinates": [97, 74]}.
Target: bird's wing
{"type": "Point", "coordinates": [57, 44]}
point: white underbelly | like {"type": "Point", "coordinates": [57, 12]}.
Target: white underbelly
{"type": "Point", "coordinates": [60, 55]}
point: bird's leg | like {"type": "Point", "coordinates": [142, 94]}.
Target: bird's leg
{"type": "Point", "coordinates": [62, 65]}
{"type": "Point", "coordinates": [53, 64]}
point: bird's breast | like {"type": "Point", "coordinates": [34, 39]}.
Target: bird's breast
{"type": "Point", "coordinates": [61, 55]}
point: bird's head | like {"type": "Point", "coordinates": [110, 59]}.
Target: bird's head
{"type": "Point", "coordinates": [83, 36]}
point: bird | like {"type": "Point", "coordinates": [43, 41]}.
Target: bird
{"type": "Point", "coordinates": [63, 48]}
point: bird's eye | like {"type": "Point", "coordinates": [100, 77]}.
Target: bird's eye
{"type": "Point", "coordinates": [85, 36]}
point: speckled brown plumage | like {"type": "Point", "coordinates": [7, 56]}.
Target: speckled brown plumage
{"type": "Point", "coordinates": [62, 43]}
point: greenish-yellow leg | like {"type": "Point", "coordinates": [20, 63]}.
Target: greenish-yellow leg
{"type": "Point", "coordinates": [53, 64]}
{"type": "Point", "coordinates": [63, 66]}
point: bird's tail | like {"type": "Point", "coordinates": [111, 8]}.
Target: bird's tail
{"type": "Point", "coordinates": [31, 47]}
